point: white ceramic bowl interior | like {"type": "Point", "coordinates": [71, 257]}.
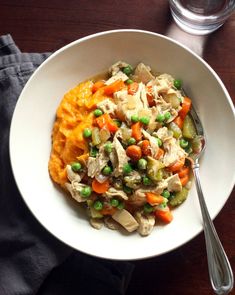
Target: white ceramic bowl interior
{"type": "Point", "coordinates": [30, 140]}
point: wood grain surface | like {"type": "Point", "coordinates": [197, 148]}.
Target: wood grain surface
{"type": "Point", "coordinates": [42, 26]}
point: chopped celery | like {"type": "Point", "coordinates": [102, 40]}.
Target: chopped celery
{"type": "Point", "coordinates": [154, 169]}
{"type": "Point", "coordinates": [175, 129]}
{"type": "Point", "coordinates": [179, 197]}
{"type": "Point", "coordinates": [95, 136]}
{"type": "Point", "coordinates": [189, 130]}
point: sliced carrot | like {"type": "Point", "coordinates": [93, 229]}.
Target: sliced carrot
{"type": "Point", "coordinates": [136, 131]}
{"type": "Point", "coordinates": [160, 153]}
{"type": "Point", "coordinates": [100, 188]}
{"type": "Point", "coordinates": [177, 166]}
{"type": "Point", "coordinates": [184, 179]}
{"type": "Point", "coordinates": [97, 85]}
{"type": "Point", "coordinates": [108, 210]}
{"type": "Point", "coordinates": [146, 148]}
{"type": "Point", "coordinates": [150, 96]}
{"type": "Point", "coordinates": [114, 87]}
{"type": "Point", "coordinates": [164, 215]}
{"type": "Point", "coordinates": [179, 121]}
{"type": "Point", "coordinates": [105, 121]}
{"type": "Point", "coordinates": [134, 152]}
{"type": "Point", "coordinates": [183, 171]}
{"type": "Point", "coordinates": [154, 199]}
{"type": "Point", "coordinates": [132, 88]}
{"type": "Point", "coordinates": [186, 105]}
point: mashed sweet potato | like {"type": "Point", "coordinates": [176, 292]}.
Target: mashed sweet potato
{"type": "Point", "coordinates": [73, 115]}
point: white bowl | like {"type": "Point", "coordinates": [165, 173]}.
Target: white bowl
{"type": "Point", "coordinates": [30, 140]}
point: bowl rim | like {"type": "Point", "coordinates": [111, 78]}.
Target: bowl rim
{"type": "Point", "coordinates": [81, 40]}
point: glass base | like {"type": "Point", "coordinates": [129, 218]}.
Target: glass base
{"type": "Point", "coordinates": [195, 29]}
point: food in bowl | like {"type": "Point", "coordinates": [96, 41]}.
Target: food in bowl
{"type": "Point", "coordinates": [120, 144]}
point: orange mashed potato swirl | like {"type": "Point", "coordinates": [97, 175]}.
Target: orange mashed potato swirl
{"type": "Point", "coordinates": [74, 114]}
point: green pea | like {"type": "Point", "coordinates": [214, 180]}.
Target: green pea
{"type": "Point", "coordinates": [159, 142]}
{"type": "Point", "coordinates": [131, 141]}
{"type": "Point", "coordinates": [160, 118]}
{"type": "Point", "coordinates": [114, 202]}
{"type": "Point", "coordinates": [93, 151]}
{"type": "Point", "coordinates": [87, 132]}
{"type": "Point", "coordinates": [134, 118]}
{"type": "Point", "coordinates": [177, 83]}
{"type": "Point", "coordinates": [183, 143]}
{"type": "Point", "coordinates": [117, 122]}
{"type": "Point", "coordinates": [166, 194]}
{"type": "Point", "coordinates": [98, 112]}
{"type": "Point", "coordinates": [86, 192]}
{"type": "Point", "coordinates": [127, 168]}
{"type": "Point", "coordinates": [108, 147]}
{"type": "Point", "coordinates": [145, 120]}
{"type": "Point", "coordinates": [121, 205]}
{"type": "Point", "coordinates": [107, 170]}
{"type": "Point", "coordinates": [129, 81]}
{"type": "Point", "coordinates": [127, 70]}
{"type": "Point", "coordinates": [147, 181]}
{"type": "Point", "coordinates": [163, 205]}
{"type": "Point", "coordinates": [76, 166]}
{"type": "Point", "coordinates": [167, 116]}
{"type": "Point", "coordinates": [148, 208]}
{"type": "Point", "coordinates": [127, 189]}
{"type": "Point", "coordinates": [142, 164]}
{"type": "Point", "coordinates": [98, 205]}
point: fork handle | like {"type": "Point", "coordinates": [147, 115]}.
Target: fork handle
{"type": "Point", "coordinates": [220, 272]}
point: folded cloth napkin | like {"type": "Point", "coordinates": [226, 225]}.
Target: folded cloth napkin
{"type": "Point", "coordinates": [31, 260]}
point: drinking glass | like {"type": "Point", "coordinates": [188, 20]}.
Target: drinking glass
{"type": "Point", "coordinates": [201, 17]}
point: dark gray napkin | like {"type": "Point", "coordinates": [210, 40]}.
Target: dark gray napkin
{"type": "Point", "coordinates": [31, 260]}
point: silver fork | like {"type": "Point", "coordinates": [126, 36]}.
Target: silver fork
{"type": "Point", "coordinates": [220, 271]}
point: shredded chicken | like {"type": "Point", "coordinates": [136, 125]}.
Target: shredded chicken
{"type": "Point", "coordinates": [111, 223]}
{"type": "Point", "coordinates": [118, 76]}
{"type": "Point", "coordinates": [153, 143]}
{"type": "Point", "coordinates": [97, 223]}
{"type": "Point", "coordinates": [75, 189]}
{"type": "Point", "coordinates": [146, 223]}
{"type": "Point", "coordinates": [72, 176]}
{"type": "Point", "coordinates": [174, 183]}
{"type": "Point", "coordinates": [164, 83]}
{"type": "Point", "coordinates": [119, 154]}
{"type": "Point", "coordinates": [128, 105]}
{"type": "Point", "coordinates": [112, 192]}
{"type": "Point", "coordinates": [126, 220]}
{"type": "Point", "coordinates": [143, 73]}
{"type": "Point", "coordinates": [95, 165]}
{"type": "Point", "coordinates": [115, 68]}
{"type": "Point", "coordinates": [107, 106]}
{"type": "Point", "coordinates": [173, 152]}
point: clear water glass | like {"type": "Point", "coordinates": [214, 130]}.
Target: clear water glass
{"type": "Point", "coordinates": [201, 17]}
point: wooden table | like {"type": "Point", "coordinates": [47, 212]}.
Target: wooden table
{"type": "Point", "coordinates": [39, 26]}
